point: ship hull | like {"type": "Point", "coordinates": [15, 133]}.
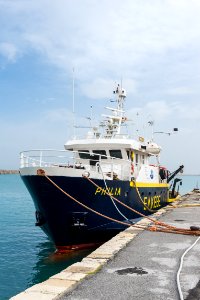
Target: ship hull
{"type": "Point", "coordinates": [70, 225]}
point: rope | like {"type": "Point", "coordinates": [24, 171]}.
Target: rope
{"type": "Point", "coordinates": [128, 207]}
{"type": "Point", "coordinates": [180, 267]}
{"type": "Point", "coordinates": [140, 198]}
{"type": "Point", "coordinates": [87, 207]}
{"type": "Point", "coordinates": [139, 213]}
{"type": "Point", "coordinates": [112, 198]}
{"type": "Point", "coordinates": [180, 231]}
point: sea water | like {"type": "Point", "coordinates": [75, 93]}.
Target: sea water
{"type": "Point", "coordinates": [189, 182]}
{"type": "Point", "coordinates": [26, 255]}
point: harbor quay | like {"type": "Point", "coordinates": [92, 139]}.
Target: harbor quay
{"type": "Point", "coordinates": [137, 263]}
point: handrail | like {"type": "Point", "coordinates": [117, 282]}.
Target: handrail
{"type": "Point", "coordinates": [74, 151]}
{"type": "Point", "coordinates": [34, 150]}
{"type": "Point", "coordinates": [34, 158]}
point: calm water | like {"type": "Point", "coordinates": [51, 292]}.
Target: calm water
{"type": "Point", "coordinates": [27, 257]}
{"type": "Point", "coordinates": [189, 183]}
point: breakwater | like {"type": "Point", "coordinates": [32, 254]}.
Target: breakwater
{"type": "Point", "coordinates": [3, 172]}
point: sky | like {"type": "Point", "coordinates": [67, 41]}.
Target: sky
{"type": "Point", "coordinates": [152, 46]}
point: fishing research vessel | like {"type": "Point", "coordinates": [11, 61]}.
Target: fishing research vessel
{"type": "Point", "coordinates": [75, 190]}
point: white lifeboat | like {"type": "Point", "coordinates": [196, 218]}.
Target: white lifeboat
{"type": "Point", "coordinates": [153, 148]}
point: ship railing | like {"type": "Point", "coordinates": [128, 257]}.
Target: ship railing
{"type": "Point", "coordinates": [107, 166]}
{"type": "Point", "coordinates": [45, 158]}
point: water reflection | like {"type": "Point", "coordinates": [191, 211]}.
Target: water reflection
{"type": "Point", "coordinates": [50, 262]}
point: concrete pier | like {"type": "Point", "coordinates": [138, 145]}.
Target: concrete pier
{"type": "Point", "coordinates": [135, 264]}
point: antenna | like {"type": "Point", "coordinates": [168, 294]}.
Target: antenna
{"type": "Point", "coordinates": [137, 124]}
{"type": "Point", "coordinates": [168, 133]}
{"type": "Point", "coordinates": [73, 106]}
{"type": "Point", "coordinates": [151, 123]}
{"type": "Point", "coordinates": [91, 114]}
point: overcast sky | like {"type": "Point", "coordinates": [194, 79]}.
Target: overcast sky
{"type": "Point", "coordinates": [153, 46]}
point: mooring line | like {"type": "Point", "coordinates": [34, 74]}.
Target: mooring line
{"type": "Point", "coordinates": [152, 228]}
{"type": "Point", "coordinates": [113, 202]}
{"type": "Point", "coordinates": [140, 198]}
{"type": "Point", "coordinates": [123, 204]}
{"type": "Point", "coordinates": [87, 207]}
{"type": "Point", "coordinates": [137, 212]}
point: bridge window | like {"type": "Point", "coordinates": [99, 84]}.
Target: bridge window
{"type": "Point", "coordinates": [136, 158]}
{"type": "Point", "coordinates": [101, 153]}
{"type": "Point", "coordinates": [115, 153]}
{"type": "Point", "coordinates": [143, 160]}
{"type": "Point", "coordinates": [84, 154]}
{"type": "Point", "coordinates": [128, 153]}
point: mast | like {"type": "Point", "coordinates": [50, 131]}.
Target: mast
{"type": "Point", "coordinates": [73, 106]}
{"type": "Point", "coordinates": [113, 122]}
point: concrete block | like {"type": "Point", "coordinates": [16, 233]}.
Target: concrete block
{"type": "Point", "coordinates": [111, 248]}
{"type": "Point", "coordinates": [119, 241]}
{"type": "Point", "coordinates": [125, 234]}
{"type": "Point", "coordinates": [159, 213]}
{"type": "Point", "coordinates": [89, 260]}
{"type": "Point", "coordinates": [134, 230]}
{"type": "Point", "coordinates": [82, 267]}
{"type": "Point", "coordinates": [120, 238]}
{"type": "Point", "coordinates": [97, 255]}
{"type": "Point", "coordinates": [69, 276]}
{"type": "Point", "coordinates": [105, 252]}
{"type": "Point", "coordinates": [102, 250]}
{"type": "Point", "coordinates": [54, 283]}
{"type": "Point", "coordinates": [144, 223]}
{"type": "Point", "coordinates": [45, 289]}
{"type": "Point", "coordinates": [33, 296]}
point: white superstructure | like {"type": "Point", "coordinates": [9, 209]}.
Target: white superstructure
{"type": "Point", "coordinates": [104, 153]}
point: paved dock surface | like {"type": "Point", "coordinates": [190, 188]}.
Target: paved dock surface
{"type": "Point", "coordinates": [135, 264]}
{"type": "Point", "coordinates": [146, 268]}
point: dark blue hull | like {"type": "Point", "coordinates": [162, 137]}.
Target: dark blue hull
{"type": "Point", "coordinates": [67, 223]}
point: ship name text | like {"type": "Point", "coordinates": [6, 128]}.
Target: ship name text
{"type": "Point", "coordinates": [110, 190]}
{"type": "Point", "coordinates": [152, 202]}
